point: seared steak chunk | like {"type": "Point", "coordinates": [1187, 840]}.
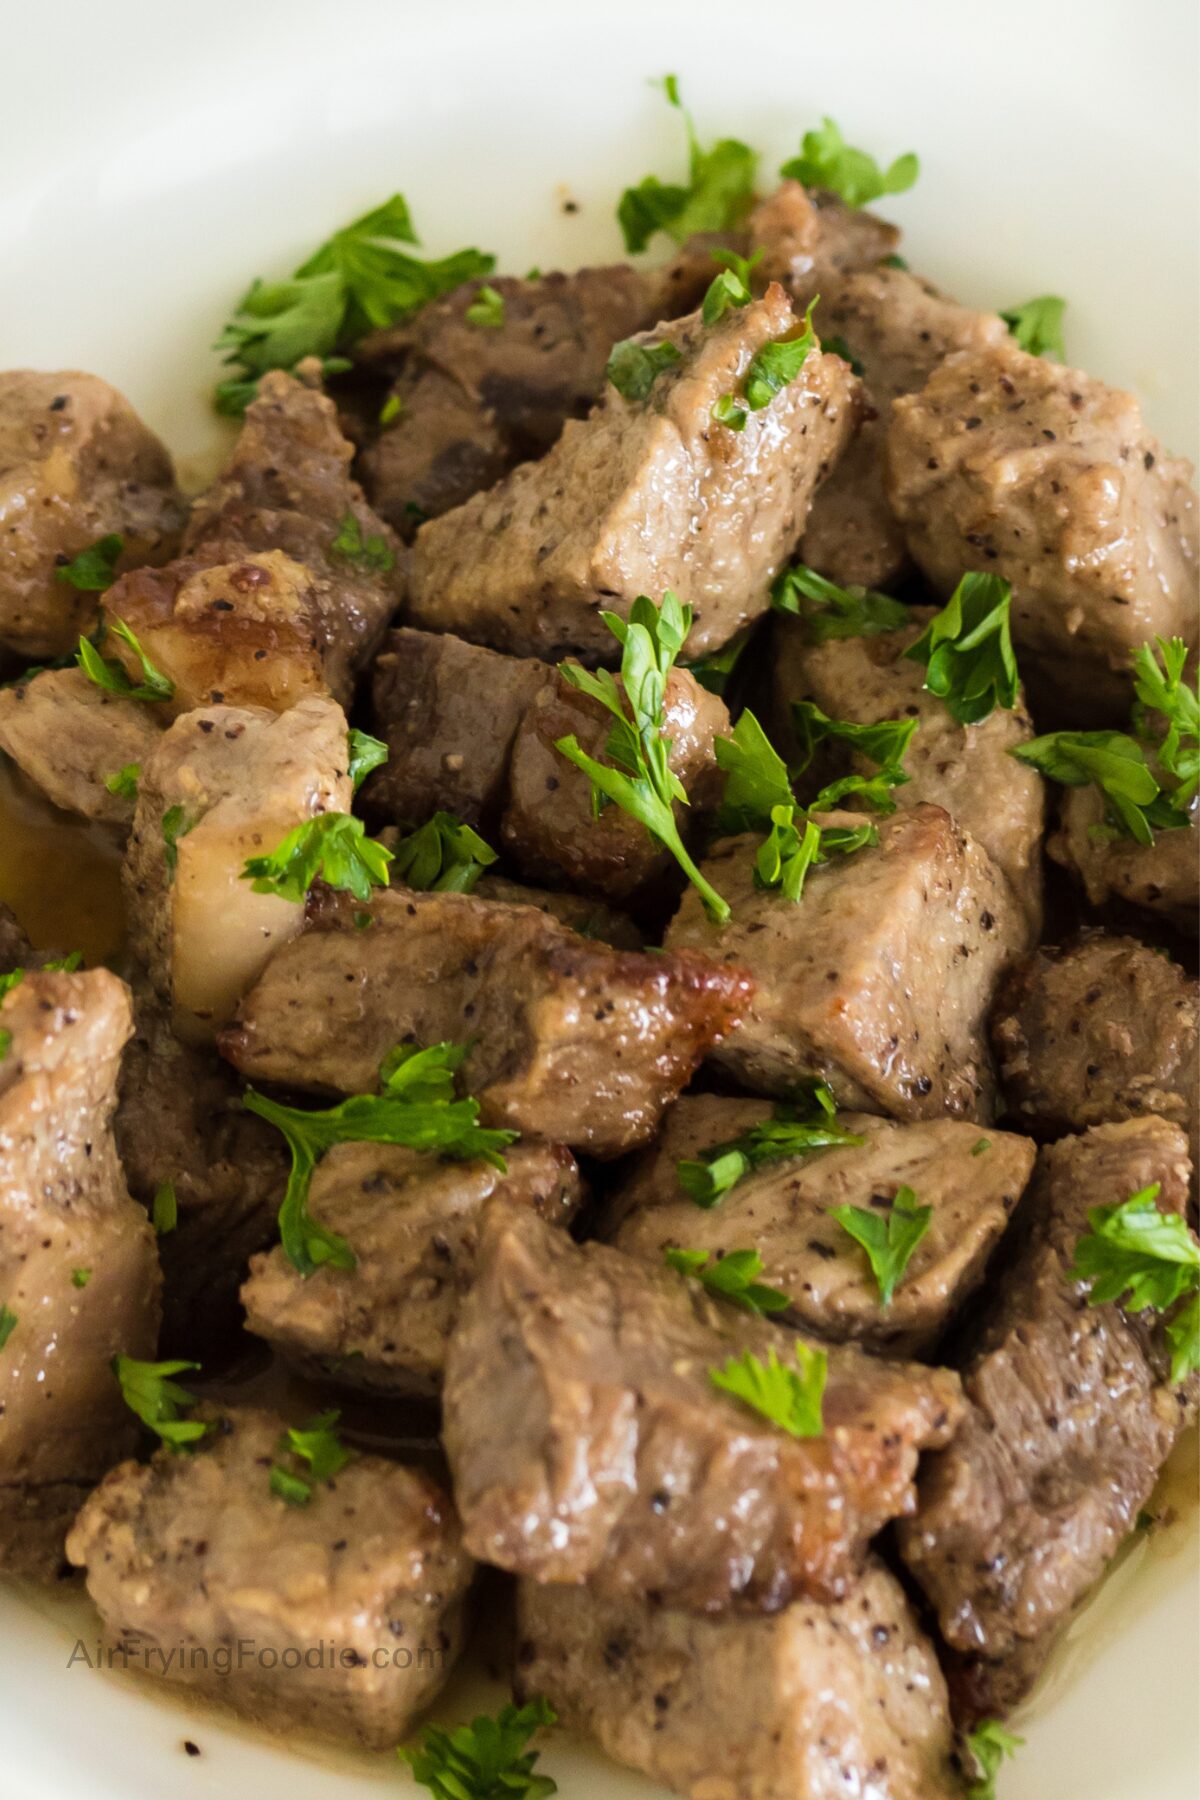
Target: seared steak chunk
{"type": "Point", "coordinates": [809, 239]}
{"type": "Point", "coordinates": [413, 1225]}
{"type": "Point", "coordinates": [587, 1442]}
{"type": "Point", "coordinates": [570, 1041]}
{"type": "Point", "coordinates": [67, 736]}
{"type": "Point", "coordinates": [1162, 878]}
{"type": "Point", "coordinates": [225, 783]}
{"type": "Point", "coordinates": [817, 1703]}
{"type": "Point", "coordinates": [590, 918]}
{"type": "Point", "coordinates": [1040, 474]}
{"type": "Point", "coordinates": [927, 901]}
{"type": "Point", "coordinates": [642, 496]}
{"type": "Point", "coordinates": [194, 1554]}
{"type": "Point", "coordinates": [1072, 1414]}
{"type": "Point", "coordinates": [76, 465]}
{"type": "Point", "coordinates": [79, 1280]}
{"type": "Point", "coordinates": [783, 1210]}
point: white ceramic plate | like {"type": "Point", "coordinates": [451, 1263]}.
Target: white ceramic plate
{"type": "Point", "coordinates": [158, 153]}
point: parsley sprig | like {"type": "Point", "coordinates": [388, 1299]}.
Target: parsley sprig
{"type": "Point", "coordinates": [966, 650]}
{"type": "Point", "coordinates": [889, 1239]}
{"type": "Point", "coordinates": [365, 551]}
{"type": "Point", "coordinates": [112, 676]}
{"type": "Point", "coordinates": [884, 743]}
{"type": "Point", "coordinates": [318, 1446]}
{"type": "Point", "coordinates": [830, 611]}
{"type": "Point", "coordinates": [826, 160]}
{"type": "Point", "coordinates": [94, 569]}
{"type": "Point", "coordinates": [791, 1398]}
{"type": "Point", "coordinates": [485, 1760]}
{"type": "Point", "coordinates": [1145, 1260]}
{"type": "Point", "coordinates": [150, 1392]}
{"type": "Point", "coordinates": [634, 367]}
{"type": "Point", "coordinates": [486, 310]}
{"type": "Point", "coordinates": [1037, 325]}
{"type": "Point", "coordinates": [123, 782]}
{"type": "Point", "coordinates": [443, 856]}
{"type": "Point", "coordinates": [638, 776]}
{"type": "Point", "coordinates": [333, 846]}
{"type": "Point", "coordinates": [734, 1276]}
{"type": "Point", "coordinates": [8, 1324]}
{"type": "Point", "coordinates": [987, 1747]}
{"type": "Point", "coordinates": [417, 1109]}
{"type": "Point", "coordinates": [1160, 690]}
{"type": "Point", "coordinates": [772, 368]}
{"type": "Point", "coordinates": [364, 754]}
{"type": "Point", "coordinates": [731, 288]}
{"type": "Point", "coordinates": [718, 194]}
{"type": "Point", "coordinates": [796, 1128]}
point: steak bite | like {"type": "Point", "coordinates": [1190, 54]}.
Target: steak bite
{"type": "Point", "coordinates": [76, 465]}
{"type": "Point", "coordinates": [412, 1223]}
{"type": "Point", "coordinates": [588, 1444]}
{"type": "Point", "coordinates": [879, 979]}
{"type": "Point", "coordinates": [1038, 473]}
{"type": "Point", "coordinates": [818, 1701]}
{"type": "Point", "coordinates": [1072, 1414]}
{"type": "Point", "coordinates": [642, 496]}
{"type": "Point", "coordinates": [79, 1280]}
{"type": "Point", "coordinates": [570, 1041]}
{"type": "Point", "coordinates": [590, 918]}
{"type": "Point", "coordinates": [68, 736]}
{"type": "Point", "coordinates": [189, 1556]}
{"type": "Point", "coordinates": [965, 768]}
{"type": "Point", "coordinates": [1162, 878]}
{"type": "Point", "coordinates": [1103, 1029]}
{"type": "Point", "coordinates": [226, 783]}
{"type": "Point", "coordinates": [809, 239]}
{"type": "Point", "coordinates": [784, 1211]}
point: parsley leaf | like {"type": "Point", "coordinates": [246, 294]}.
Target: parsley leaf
{"type": "Point", "coordinates": [1163, 690]}
{"type": "Point", "coordinates": [1116, 764]}
{"type": "Point", "coordinates": [317, 1444]}
{"type": "Point", "coordinates": [175, 825]}
{"type": "Point", "coordinates": [718, 195]}
{"type": "Point", "coordinates": [5, 1043]}
{"type": "Point", "coordinates": [111, 676]}
{"type": "Point", "coordinates": [486, 310]}
{"type": "Point", "coordinates": [642, 782]}
{"type": "Point", "coordinates": [1144, 1259]}
{"type": "Point", "coordinates": [95, 568]}
{"type": "Point", "coordinates": [1037, 325]}
{"type": "Point", "coordinates": [826, 160]}
{"type": "Point", "coordinates": [333, 846]}
{"type": "Point", "coordinates": [726, 411]}
{"type": "Point", "coordinates": [485, 1760]}
{"type": "Point", "coordinates": [443, 856]}
{"type": "Point", "coordinates": [125, 781]}
{"type": "Point", "coordinates": [8, 1323]}
{"type": "Point", "coordinates": [788, 1397]}
{"type": "Point", "coordinates": [391, 409]}
{"type": "Point", "coordinates": [772, 368]}
{"type": "Point", "coordinates": [888, 1241]}
{"type": "Point", "coordinates": [795, 844]}
{"type": "Point", "coordinates": [988, 1745]}
{"type": "Point", "coordinates": [837, 346]}
{"type": "Point", "coordinates": [369, 552]}
{"type": "Point", "coordinates": [833, 611]}
{"type": "Point", "coordinates": [885, 743]}
{"type": "Point", "coordinates": [731, 288]}
{"type": "Point", "coordinates": [633, 367]}
{"type": "Point", "coordinates": [80, 1277]}
{"type": "Point", "coordinates": [416, 1109]}
{"type": "Point", "coordinates": [165, 1211]}
{"type": "Point", "coordinates": [716, 670]}
{"type": "Point", "coordinates": [733, 1276]}
{"type": "Point", "coordinates": [148, 1391]}
{"type": "Point", "coordinates": [365, 753]}
{"type": "Point", "coordinates": [796, 1128]}
{"type": "Point", "coordinates": [966, 650]}
{"type": "Point", "coordinates": [756, 776]}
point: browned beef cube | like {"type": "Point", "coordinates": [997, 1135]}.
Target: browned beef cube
{"type": "Point", "coordinates": [642, 496]}
{"type": "Point", "coordinates": [67, 736]}
{"type": "Point", "coordinates": [588, 1444]}
{"type": "Point", "coordinates": [412, 1223]}
{"type": "Point", "coordinates": [819, 1701]}
{"type": "Point", "coordinates": [879, 979]}
{"type": "Point", "coordinates": [783, 1211]}
{"type": "Point", "coordinates": [442, 445]}
{"type": "Point", "coordinates": [76, 465]}
{"type": "Point", "coordinates": [1040, 474]}
{"type": "Point", "coordinates": [1072, 1414]}
{"type": "Point", "coordinates": [590, 918]}
{"type": "Point", "coordinates": [808, 239]}
{"type": "Point", "coordinates": [1162, 878]}
{"type": "Point", "coordinates": [570, 1041]}
{"type": "Point", "coordinates": [189, 1556]}
{"type": "Point", "coordinates": [79, 1280]}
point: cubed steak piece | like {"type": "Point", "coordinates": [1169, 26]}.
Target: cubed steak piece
{"type": "Point", "coordinates": [879, 979]}
{"type": "Point", "coordinates": [226, 783]}
{"type": "Point", "coordinates": [1161, 879]}
{"type": "Point", "coordinates": [189, 1556]}
{"type": "Point", "coordinates": [570, 1040]}
{"type": "Point", "coordinates": [79, 1280]}
{"type": "Point", "coordinates": [1071, 1416]}
{"type": "Point", "coordinates": [76, 465]}
{"type": "Point", "coordinates": [68, 737]}
{"type": "Point", "coordinates": [819, 1702]}
{"type": "Point", "coordinates": [1040, 474]}
{"type": "Point", "coordinates": [588, 1443]}
{"type": "Point", "coordinates": [783, 1210]}
{"type": "Point", "coordinates": [287, 487]}
{"type": "Point", "coordinates": [180, 1120]}
{"type": "Point", "coordinates": [412, 1223]}
{"type": "Point", "coordinates": [590, 918]}
{"type": "Point", "coordinates": [809, 239]}
{"type": "Point", "coordinates": [1103, 1029]}
{"type": "Point", "coordinates": [965, 768]}
{"type": "Point", "coordinates": [644, 495]}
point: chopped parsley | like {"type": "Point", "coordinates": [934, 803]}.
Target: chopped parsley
{"type": "Point", "coordinates": [417, 1109]}
{"type": "Point", "coordinates": [830, 611]}
{"type": "Point", "coordinates": [165, 1211]}
{"type": "Point", "coordinates": [486, 310]}
{"type": "Point", "coordinates": [80, 1277]}
{"type": "Point", "coordinates": [796, 1128]}
{"type": "Point", "coordinates": [95, 568]}
{"type": "Point", "coordinates": [391, 409]}
{"type": "Point", "coordinates": [638, 777]}
{"type": "Point", "coordinates": [884, 743]}
{"type": "Point", "coordinates": [826, 160]}
{"type": "Point", "coordinates": [772, 368]}
{"type": "Point", "coordinates": [888, 1239]}
{"type": "Point", "coordinates": [734, 1276]}
{"type": "Point", "coordinates": [443, 856]}
{"type": "Point", "coordinates": [987, 1747]}
{"type": "Point", "coordinates": [726, 411]}
{"type": "Point", "coordinates": [5, 1043]}
{"type": "Point", "coordinates": [1145, 1260]}
{"type": "Point", "coordinates": [365, 753]}
{"type": "Point", "coordinates": [316, 1445]}
{"type": "Point", "coordinates": [333, 846]}
{"type": "Point", "coordinates": [634, 367]}
{"type": "Point", "coordinates": [124, 783]}
{"type": "Point", "coordinates": [367, 552]}
{"type": "Point", "coordinates": [485, 1760]}
{"type": "Point", "coordinates": [111, 675]}
{"type": "Point", "coordinates": [149, 1391]}
{"type": "Point", "coordinates": [980, 1146]}
{"type": "Point", "coordinates": [717, 196]}
{"type": "Point", "coordinates": [731, 288]}
{"type": "Point", "coordinates": [790, 1398]}
{"type": "Point", "coordinates": [1162, 690]}
{"type": "Point", "coordinates": [966, 650]}
{"type": "Point", "coordinates": [8, 1323]}
{"type": "Point", "coordinates": [1037, 325]}
{"type": "Point", "coordinates": [175, 825]}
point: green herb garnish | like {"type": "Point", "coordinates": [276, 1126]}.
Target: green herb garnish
{"type": "Point", "coordinates": [826, 160]}
{"type": "Point", "coordinates": [885, 743]}
{"type": "Point", "coordinates": [485, 1760]}
{"type": "Point", "coordinates": [80, 1277]}
{"type": "Point", "coordinates": [368, 552]}
{"type": "Point", "coordinates": [175, 825]}
{"type": "Point", "coordinates": [734, 1276]}
{"type": "Point", "coordinates": [364, 754]}
{"type": "Point", "coordinates": [95, 568]}
{"type": "Point", "coordinates": [987, 1746]}
{"type": "Point", "coordinates": [966, 650]}
{"type": "Point", "coordinates": [442, 856]}
{"type": "Point", "coordinates": [830, 611]}
{"type": "Point", "coordinates": [718, 194]}
{"type": "Point", "coordinates": [888, 1239]}
{"type": "Point", "coordinates": [789, 1397]}
{"type": "Point", "coordinates": [715, 670]}
{"type": "Point", "coordinates": [633, 367]}
{"type": "Point", "coordinates": [1145, 1260]}
{"type": "Point", "coordinates": [111, 676]}
{"type": "Point", "coordinates": [486, 310]}
{"type": "Point", "coordinates": [772, 368]}
{"type": "Point", "coordinates": [796, 1128]}
{"type": "Point", "coordinates": [1037, 325]}
{"type": "Point", "coordinates": [318, 1446]}
{"type": "Point", "coordinates": [8, 1323]}
{"type": "Point", "coordinates": [165, 1211]}
{"type": "Point", "coordinates": [333, 846]}
{"type": "Point", "coordinates": [125, 782]}
{"type": "Point", "coordinates": [148, 1391]}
